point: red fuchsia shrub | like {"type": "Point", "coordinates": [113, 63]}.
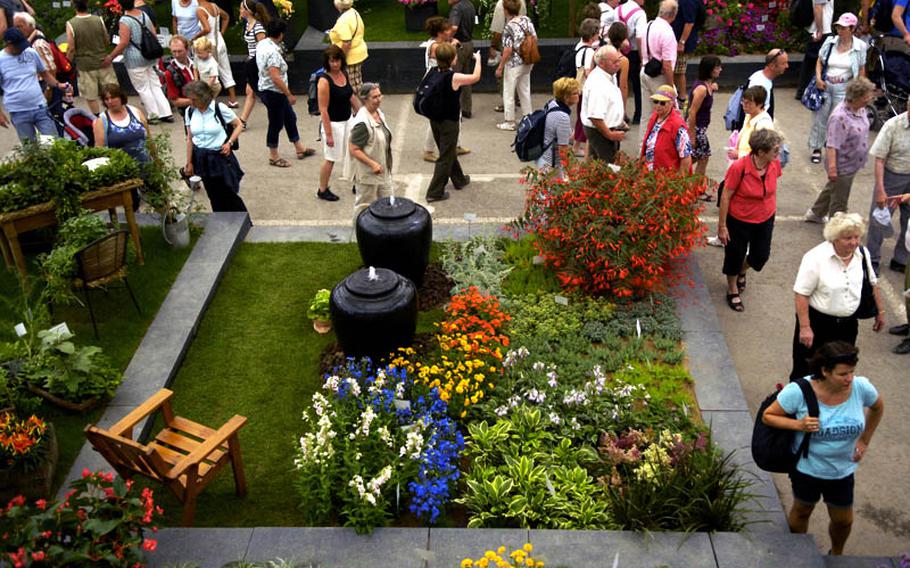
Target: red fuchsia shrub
{"type": "Point", "coordinates": [101, 521]}
{"type": "Point", "coordinates": [613, 233]}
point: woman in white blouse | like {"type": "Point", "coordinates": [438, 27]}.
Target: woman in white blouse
{"type": "Point", "coordinates": [828, 289]}
{"type": "Point", "coordinates": [209, 152]}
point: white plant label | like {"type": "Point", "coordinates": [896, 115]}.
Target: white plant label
{"type": "Point", "coordinates": [638, 327]}
{"type": "Point", "coordinates": [561, 300]}
{"type": "Point", "coordinates": [759, 27]}
{"type": "Point", "coordinates": [61, 328]}
{"type": "Point", "coordinates": [537, 259]}
{"type": "Point", "coordinates": [20, 329]}
{"type": "Point", "coordinates": [470, 217]}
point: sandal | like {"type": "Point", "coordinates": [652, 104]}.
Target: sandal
{"type": "Point", "coordinates": [306, 153]}
{"type": "Point", "coordinates": [741, 282]}
{"type": "Point", "coordinates": [736, 306]}
{"type": "Point", "coordinates": [279, 163]}
{"type": "Point", "coordinates": [816, 156]}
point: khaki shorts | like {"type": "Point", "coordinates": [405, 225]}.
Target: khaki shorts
{"type": "Point", "coordinates": [682, 61]}
{"type": "Point", "coordinates": [91, 82]}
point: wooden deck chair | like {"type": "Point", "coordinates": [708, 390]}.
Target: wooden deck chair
{"type": "Point", "coordinates": [184, 456]}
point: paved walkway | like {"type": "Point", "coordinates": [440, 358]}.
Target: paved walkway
{"type": "Point", "coordinates": [759, 339]}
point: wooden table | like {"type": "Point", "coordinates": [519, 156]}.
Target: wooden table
{"type": "Point", "coordinates": [43, 215]}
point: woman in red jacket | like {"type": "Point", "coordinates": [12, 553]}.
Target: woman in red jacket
{"type": "Point", "coordinates": [747, 208]}
{"type": "Point", "coordinates": [666, 144]}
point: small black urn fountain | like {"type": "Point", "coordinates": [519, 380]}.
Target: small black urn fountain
{"type": "Point", "coordinates": [374, 312]}
{"type": "Point", "coordinates": [396, 233]}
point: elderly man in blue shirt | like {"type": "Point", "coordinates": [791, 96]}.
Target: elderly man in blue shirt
{"type": "Point", "coordinates": [23, 99]}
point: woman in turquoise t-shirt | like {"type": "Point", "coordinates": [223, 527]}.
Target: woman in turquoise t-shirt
{"type": "Point", "coordinates": [840, 436]}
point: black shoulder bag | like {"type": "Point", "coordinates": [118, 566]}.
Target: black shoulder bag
{"type": "Point", "coordinates": [653, 67]}
{"type": "Point", "coordinates": [772, 448]}
{"type": "Point", "coordinates": [867, 308]}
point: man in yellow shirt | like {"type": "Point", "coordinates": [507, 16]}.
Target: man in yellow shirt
{"type": "Point", "coordinates": [347, 33]}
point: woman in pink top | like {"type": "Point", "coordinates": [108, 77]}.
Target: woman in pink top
{"type": "Point", "coordinates": [747, 210]}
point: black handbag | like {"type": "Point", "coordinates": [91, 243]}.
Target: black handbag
{"type": "Point", "coordinates": [654, 67]}
{"type": "Point", "coordinates": [867, 308]}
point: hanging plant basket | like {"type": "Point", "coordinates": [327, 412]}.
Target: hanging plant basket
{"type": "Point", "coordinates": [81, 406]}
{"type": "Point", "coordinates": [416, 16]}
{"type": "Point", "coordinates": [36, 483]}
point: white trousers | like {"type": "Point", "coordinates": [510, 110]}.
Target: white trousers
{"type": "Point", "coordinates": [516, 78]}
{"type": "Point", "coordinates": [147, 84]}
{"type": "Point", "coordinates": [224, 64]}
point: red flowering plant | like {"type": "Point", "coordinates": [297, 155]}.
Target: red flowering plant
{"type": "Point", "coordinates": [100, 522]}
{"type": "Point", "coordinates": [22, 441]}
{"type": "Point", "coordinates": [607, 232]}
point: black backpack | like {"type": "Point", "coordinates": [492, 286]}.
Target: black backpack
{"type": "Point", "coordinates": [566, 65]}
{"type": "Point", "coordinates": [148, 44]}
{"type": "Point", "coordinates": [772, 448]}
{"type": "Point", "coordinates": [228, 127]}
{"type": "Point", "coordinates": [801, 13]}
{"type": "Point", "coordinates": [428, 100]}
{"type": "Point", "coordinates": [312, 92]}
{"type": "Point", "coordinates": [528, 144]}
{"type": "Point", "coordinates": [881, 14]}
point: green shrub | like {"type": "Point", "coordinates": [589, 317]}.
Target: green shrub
{"type": "Point", "coordinates": [526, 277]}
{"type": "Point", "coordinates": [522, 476]}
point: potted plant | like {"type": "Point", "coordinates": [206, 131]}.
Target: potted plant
{"type": "Point", "coordinates": [173, 204]}
{"type": "Point", "coordinates": [319, 311]}
{"type": "Point", "coordinates": [28, 456]}
{"type": "Point", "coordinates": [417, 12]}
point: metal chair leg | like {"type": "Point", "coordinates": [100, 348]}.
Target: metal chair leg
{"type": "Point", "coordinates": [132, 296]}
{"type": "Point", "coordinates": [91, 311]}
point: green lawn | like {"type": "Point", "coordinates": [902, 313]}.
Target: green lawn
{"type": "Point", "coordinates": [256, 355]}
{"type": "Point", "coordinates": [120, 327]}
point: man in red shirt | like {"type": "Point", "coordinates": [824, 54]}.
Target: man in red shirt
{"type": "Point", "coordinates": [178, 72]}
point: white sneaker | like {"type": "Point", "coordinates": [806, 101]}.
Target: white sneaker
{"type": "Point", "coordinates": [715, 241]}
{"type": "Point", "coordinates": [506, 126]}
{"type": "Point", "coordinates": [811, 217]}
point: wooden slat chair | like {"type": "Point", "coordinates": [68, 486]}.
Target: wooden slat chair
{"type": "Point", "coordinates": [184, 456]}
{"type": "Point", "coordinates": [99, 263]}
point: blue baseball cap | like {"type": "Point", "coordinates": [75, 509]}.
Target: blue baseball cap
{"type": "Point", "coordinates": [15, 38]}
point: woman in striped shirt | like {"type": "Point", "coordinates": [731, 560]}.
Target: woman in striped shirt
{"type": "Point", "coordinates": [255, 16]}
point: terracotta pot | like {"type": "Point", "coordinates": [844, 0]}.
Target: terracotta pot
{"type": "Point", "coordinates": [322, 326]}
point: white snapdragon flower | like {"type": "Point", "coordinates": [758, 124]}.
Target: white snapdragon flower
{"type": "Point", "coordinates": [384, 435]}
{"type": "Point", "coordinates": [353, 385]}
{"type": "Point", "coordinates": [538, 366]}
{"type": "Point", "coordinates": [502, 411]}
{"type": "Point", "coordinates": [555, 419]}
{"type": "Point", "coordinates": [552, 379]}
{"type": "Point", "coordinates": [332, 383]}
{"type": "Point", "coordinates": [536, 396]}
{"type": "Point", "coordinates": [366, 420]}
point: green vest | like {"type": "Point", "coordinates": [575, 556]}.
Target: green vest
{"type": "Point", "coordinates": [92, 42]}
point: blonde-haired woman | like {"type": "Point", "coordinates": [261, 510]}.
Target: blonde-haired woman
{"type": "Point", "coordinates": [347, 33]}
{"type": "Point", "coordinates": [557, 129]}
{"type": "Point", "coordinates": [828, 289]}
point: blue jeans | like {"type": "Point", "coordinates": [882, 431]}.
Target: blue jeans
{"type": "Point", "coordinates": [281, 115]}
{"type": "Point", "coordinates": [27, 121]}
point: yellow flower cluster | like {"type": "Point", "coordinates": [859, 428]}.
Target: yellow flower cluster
{"type": "Point", "coordinates": [462, 373]}
{"type": "Point", "coordinates": [285, 8]}
{"type": "Point", "coordinates": [656, 457]}
{"type": "Point", "coordinates": [498, 559]}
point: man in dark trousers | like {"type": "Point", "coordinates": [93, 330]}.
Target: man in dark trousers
{"type": "Point", "coordinates": [463, 16]}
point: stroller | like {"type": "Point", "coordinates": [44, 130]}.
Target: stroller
{"type": "Point", "coordinates": [889, 69]}
{"type": "Point", "coordinates": [77, 125]}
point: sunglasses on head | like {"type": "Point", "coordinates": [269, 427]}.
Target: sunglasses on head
{"type": "Point", "coordinates": [775, 56]}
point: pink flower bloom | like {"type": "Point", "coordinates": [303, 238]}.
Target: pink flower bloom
{"type": "Point", "coordinates": [149, 544]}
{"type": "Point", "coordinates": [709, 11]}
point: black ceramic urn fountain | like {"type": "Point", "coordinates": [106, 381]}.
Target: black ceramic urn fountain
{"type": "Point", "coordinates": [396, 233]}
{"type": "Point", "coordinates": [374, 312]}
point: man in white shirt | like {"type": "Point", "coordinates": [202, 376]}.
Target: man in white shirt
{"type": "Point", "coordinates": [776, 63]}
{"type": "Point", "coordinates": [818, 30]}
{"type": "Point", "coordinates": [602, 106]}
{"type": "Point", "coordinates": [636, 20]}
